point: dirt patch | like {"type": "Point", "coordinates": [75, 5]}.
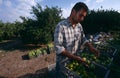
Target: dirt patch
{"type": "Point", "coordinates": [12, 64]}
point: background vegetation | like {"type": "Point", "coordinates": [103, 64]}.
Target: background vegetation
{"type": "Point", "coordinates": [40, 28]}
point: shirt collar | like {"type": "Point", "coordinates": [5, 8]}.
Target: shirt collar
{"type": "Point", "coordinates": [69, 23]}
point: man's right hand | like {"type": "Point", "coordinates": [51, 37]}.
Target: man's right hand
{"type": "Point", "coordinates": [72, 56]}
{"type": "Point", "coordinates": [79, 59]}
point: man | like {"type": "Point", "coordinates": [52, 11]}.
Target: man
{"type": "Point", "coordinates": [69, 36]}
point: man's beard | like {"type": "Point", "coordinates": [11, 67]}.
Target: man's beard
{"type": "Point", "coordinates": [75, 20]}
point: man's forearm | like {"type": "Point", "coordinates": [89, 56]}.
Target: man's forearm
{"type": "Point", "coordinates": [69, 55]}
{"type": "Point", "coordinates": [89, 45]}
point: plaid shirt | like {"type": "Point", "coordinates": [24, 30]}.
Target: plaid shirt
{"type": "Point", "coordinates": [69, 38]}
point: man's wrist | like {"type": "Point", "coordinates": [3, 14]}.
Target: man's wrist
{"type": "Point", "coordinates": [89, 45]}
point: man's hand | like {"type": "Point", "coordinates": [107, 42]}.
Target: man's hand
{"type": "Point", "coordinates": [81, 61]}
{"type": "Point", "coordinates": [72, 56]}
{"type": "Point", "coordinates": [94, 50]}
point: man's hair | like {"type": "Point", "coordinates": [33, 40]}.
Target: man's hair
{"type": "Point", "coordinates": [78, 6]}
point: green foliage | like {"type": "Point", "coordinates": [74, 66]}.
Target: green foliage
{"type": "Point", "coordinates": [37, 52]}
{"type": "Point", "coordinates": [89, 58]}
{"type": "Point", "coordinates": [7, 30]}
{"type": "Point", "coordinates": [41, 28]}
{"type": "Point", "coordinates": [10, 30]}
{"type": "Point", "coordinates": [31, 54]}
{"type": "Point", "coordinates": [1, 33]}
{"type": "Point", "coordinates": [81, 70]}
{"type": "Point", "coordinates": [50, 45]}
{"type": "Point", "coordinates": [102, 20]}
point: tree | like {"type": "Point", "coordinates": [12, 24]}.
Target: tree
{"type": "Point", "coordinates": [40, 29]}
{"type": "Point", "coordinates": [1, 32]}
{"type": "Point", "coordinates": [7, 30]}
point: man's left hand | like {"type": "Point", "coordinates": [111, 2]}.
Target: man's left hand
{"type": "Point", "coordinates": [94, 50]}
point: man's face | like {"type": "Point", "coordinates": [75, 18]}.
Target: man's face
{"type": "Point", "coordinates": [79, 16]}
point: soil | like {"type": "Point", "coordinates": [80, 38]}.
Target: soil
{"type": "Point", "coordinates": [15, 64]}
